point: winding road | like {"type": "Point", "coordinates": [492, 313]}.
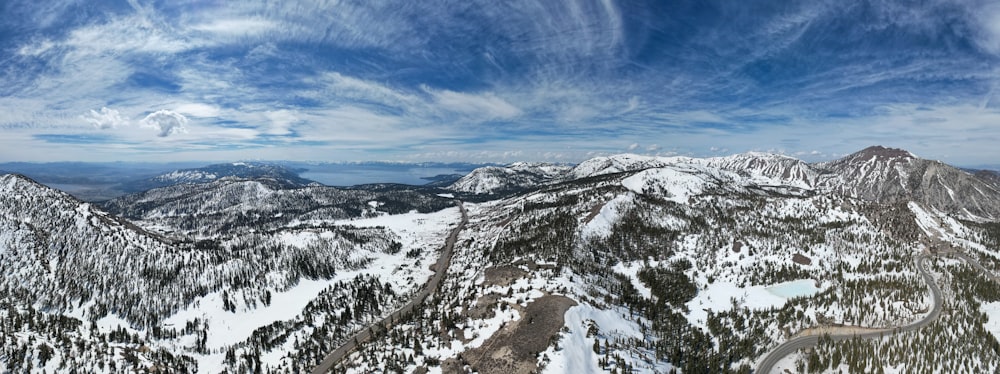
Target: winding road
{"type": "Point", "coordinates": [794, 344]}
{"type": "Point", "coordinates": [363, 336]}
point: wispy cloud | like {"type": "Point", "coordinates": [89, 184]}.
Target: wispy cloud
{"type": "Point", "coordinates": [478, 79]}
{"type": "Point", "coordinates": [485, 106]}
{"type": "Point", "coordinates": [237, 27]}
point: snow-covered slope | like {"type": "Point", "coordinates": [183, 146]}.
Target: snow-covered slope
{"type": "Point", "coordinates": [511, 178]}
{"type": "Point", "coordinates": [80, 275]}
{"type": "Point", "coordinates": [620, 163]}
{"type": "Point", "coordinates": [760, 168]}
{"type": "Point", "coordinates": [764, 168]}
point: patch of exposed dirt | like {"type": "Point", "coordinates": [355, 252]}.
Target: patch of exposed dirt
{"type": "Point", "coordinates": [485, 307]}
{"type": "Point", "coordinates": [503, 276]}
{"type": "Point", "coordinates": [515, 347]}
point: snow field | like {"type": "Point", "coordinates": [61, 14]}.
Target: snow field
{"type": "Point", "coordinates": [413, 230]}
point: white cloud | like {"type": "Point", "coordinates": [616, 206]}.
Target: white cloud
{"type": "Point", "coordinates": [166, 122]}
{"type": "Point", "coordinates": [633, 146]}
{"type": "Point", "coordinates": [281, 121]}
{"type": "Point", "coordinates": [633, 104]}
{"type": "Point", "coordinates": [989, 21]}
{"type": "Point", "coordinates": [486, 106]}
{"type": "Point", "coordinates": [36, 49]}
{"type": "Point", "coordinates": [339, 85]}
{"type": "Point", "coordinates": [128, 34]}
{"type": "Point", "coordinates": [198, 110]}
{"type": "Point", "coordinates": [105, 119]}
{"type": "Point", "coordinates": [237, 27]}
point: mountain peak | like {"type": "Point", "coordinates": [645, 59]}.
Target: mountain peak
{"type": "Point", "coordinates": [878, 151]}
{"type": "Point", "coordinates": [12, 182]}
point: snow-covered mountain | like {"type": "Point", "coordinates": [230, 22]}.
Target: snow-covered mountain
{"type": "Point", "coordinates": [663, 255]}
{"type": "Point", "coordinates": [620, 163]}
{"type": "Point", "coordinates": [625, 263]}
{"type": "Point", "coordinates": [887, 174]}
{"type": "Point", "coordinates": [507, 179]}
{"type": "Point", "coordinates": [231, 205]}
{"type": "Point", "coordinates": [766, 168]}
{"type": "Point", "coordinates": [699, 265]}
{"type": "Point", "coordinates": [284, 176]}
{"type": "Point", "coordinates": [75, 276]}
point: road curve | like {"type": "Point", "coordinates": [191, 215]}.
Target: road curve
{"type": "Point", "coordinates": [794, 344]}
{"type": "Point", "coordinates": [363, 336]}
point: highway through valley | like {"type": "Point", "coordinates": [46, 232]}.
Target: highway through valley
{"type": "Point", "coordinates": [363, 336]}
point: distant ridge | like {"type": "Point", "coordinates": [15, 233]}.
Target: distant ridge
{"type": "Point", "coordinates": [242, 170]}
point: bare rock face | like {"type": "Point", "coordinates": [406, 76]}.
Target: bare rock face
{"type": "Point", "coordinates": [989, 177]}
{"type": "Point", "coordinates": [874, 173]}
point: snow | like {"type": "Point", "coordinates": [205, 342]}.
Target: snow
{"type": "Point", "coordinates": [786, 364]}
{"type": "Point", "coordinates": [112, 322]}
{"type": "Point", "coordinates": [940, 225]}
{"type": "Point", "coordinates": [924, 219]}
{"type": "Point", "coordinates": [992, 311]}
{"type": "Point", "coordinates": [576, 354]}
{"type": "Point", "coordinates": [226, 328]}
{"type": "Point", "coordinates": [719, 297]}
{"type": "Point", "coordinates": [414, 230]}
{"type": "Point", "coordinates": [631, 270]}
{"type": "Point", "coordinates": [675, 184]}
{"type": "Point", "coordinates": [446, 195]}
{"type": "Point", "coordinates": [621, 163]}
{"type": "Point", "coordinates": [600, 225]}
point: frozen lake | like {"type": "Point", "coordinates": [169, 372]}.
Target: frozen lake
{"type": "Point", "coordinates": [796, 288]}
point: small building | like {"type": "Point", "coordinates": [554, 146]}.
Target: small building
{"type": "Point", "coordinates": [800, 259]}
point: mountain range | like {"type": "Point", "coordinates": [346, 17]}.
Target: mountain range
{"type": "Point", "coordinates": [624, 263]}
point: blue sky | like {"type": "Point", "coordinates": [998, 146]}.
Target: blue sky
{"type": "Point", "coordinates": [495, 81]}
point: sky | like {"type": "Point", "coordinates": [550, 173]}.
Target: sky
{"type": "Point", "coordinates": [495, 81]}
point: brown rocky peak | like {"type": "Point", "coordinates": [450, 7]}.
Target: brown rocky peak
{"type": "Point", "coordinates": [878, 151]}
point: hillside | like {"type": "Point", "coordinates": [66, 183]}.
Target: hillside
{"type": "Point", "coordinates": [185, 305]}
{"type": "Point", "coordinates": [622, 263]}
{"type": "Point", "coordinates": [695, 265]}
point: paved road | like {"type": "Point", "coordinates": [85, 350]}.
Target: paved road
{"type": "Point", "coordinates": [976, 265]}
{"type": "Point", "coordinates": [363, 336]}
{"type": "Point", "coordinates": [790, 346]}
